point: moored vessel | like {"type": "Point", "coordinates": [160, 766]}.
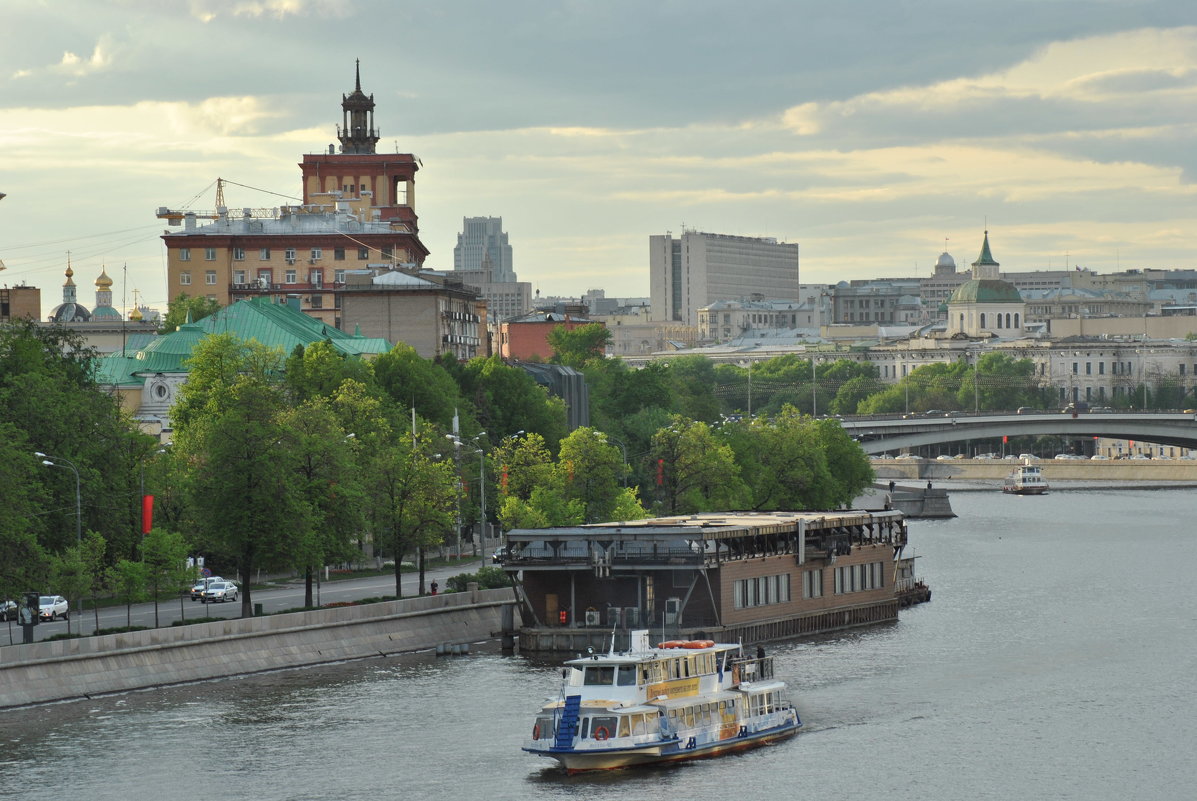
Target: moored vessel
{"type": "Point", "coordinates": [1025, 479]}
{"type": "Point", "coordinates": [676, 701]}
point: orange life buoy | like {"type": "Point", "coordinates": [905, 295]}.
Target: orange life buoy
{"type": "Point", "coordinates": [536, 732]}
{"type": "Point", "coordinates": [698, 644]}
{"type": "Point", "coordinates": [671, 644]}
{"type": "Point", "coordinates": [601, 733]}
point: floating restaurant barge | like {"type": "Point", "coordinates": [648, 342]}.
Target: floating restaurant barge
{"type": "Point", "coordinates": [728, 576]}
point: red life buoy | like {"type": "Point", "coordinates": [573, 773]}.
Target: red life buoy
{"type": "Point", "coordinates": [536, 732]}
{"type": "Point", "coordinates": [601, 733]}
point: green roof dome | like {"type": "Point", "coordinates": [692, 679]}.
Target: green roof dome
{"type": "Point", "coordinates": [986, 290]}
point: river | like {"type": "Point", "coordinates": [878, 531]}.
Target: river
{"type": "Point", "coordinates": [1055, 661]}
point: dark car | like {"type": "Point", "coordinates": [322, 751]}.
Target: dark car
{"type": "Point", "coordinates": [500, 555]}
{"type": "Point", "coordinates": [1026, 409]}
{"type": "Point", "coordinates": [8, 610]}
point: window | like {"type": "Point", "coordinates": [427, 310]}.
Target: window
{"type": "Point", "coordinates": [317, 301]}
{"type": "Point", "coordinates": [1101, 368]}
{"type": "Point", "coordinates": [339, 254]}
{"type": "Point", "coordinates": [210, 277]}
{"type": "Point", "coordinates": [265, 277]}
{"type": "Point", "coordinates": [386, 253]}
{"type": "Point", "coordinates": [209, 254]}
{"type": "Point", "coordinates": [289, 277]}
{"type": "Point", "coordinates": [185, 278]}
{"type": "Point", "coordinates": [1088, 368]}
{"type": "Point", "coordinates": [761, 591]}
{"type": "Point", "coordinates": [339, 276]}
{"type": "Point", "coordinates": [238, 276]}
{"type": "Point", "coordinates": [238, 254]}
{"type": "Point", "coordinates": [363, 254]}
{"type": "Point", "coordinates": [184, 254]}
{"type": "Point", "coordinates": [317, 253]}
{"type": "Point", "coordinates": [858, 578]}
{"type": "Point", "coordinates": [812, 584]}
{"type": "Point", "coordinates": [263, 254]}
{"type": "Point", "coordinates": [289, 254]}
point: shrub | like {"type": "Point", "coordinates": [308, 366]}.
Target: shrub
{"type": "Point", "coordinates": [488, 578]}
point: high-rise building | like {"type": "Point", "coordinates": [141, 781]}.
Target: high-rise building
{"type": "Point", "coordinates": [482, 258]}
{"type": "Point", "coordinates": [483, 240]}
{"type": "Point", "coordinates": [358, 213]}
{"type": "Point", "coordinates": [697, 269]}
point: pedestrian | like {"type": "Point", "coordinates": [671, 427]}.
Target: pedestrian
{"type": "Point", "coordinates": [928, 485]}
{"type": "Point", "coordinates": [891, 487]}
{"type": "Point", "coordinates": [435, 587]}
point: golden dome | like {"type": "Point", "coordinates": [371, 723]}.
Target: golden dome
{"type": "Point", "coordinates": [103, 282]}
{"type": "Point", "coordinates": [135, 315]}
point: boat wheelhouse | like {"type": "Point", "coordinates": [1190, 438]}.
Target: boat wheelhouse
{"type": "Point", "coordinates": [730, 577]}
{"type": "Point", "coordinates": [680, 700]}
{"type": "Point", "coordinates": [1025, 479]}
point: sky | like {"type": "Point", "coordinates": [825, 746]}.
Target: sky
{"type": "Point", "coordinates": [873, 133]}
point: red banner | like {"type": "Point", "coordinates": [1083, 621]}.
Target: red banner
{"type": "Point", "coordinates": [147, 513]}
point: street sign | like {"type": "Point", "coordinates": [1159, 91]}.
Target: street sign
{"type": "Point", "coordinates": [205, 572]}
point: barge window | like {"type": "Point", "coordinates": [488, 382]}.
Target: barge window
{"type": "Point", "coordinates": [544, 727]}
{"type": "Point", "coordinates": [599, 727]}
{"type": "Point", "coordinates": [601, 676]}
{"type": "Point", "coordinates": [626, 676]}
{"type": "Point", "coordinates": [624, 726]}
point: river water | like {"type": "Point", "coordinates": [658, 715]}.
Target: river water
{"type": "Point", "coordinates": [1056, 661]}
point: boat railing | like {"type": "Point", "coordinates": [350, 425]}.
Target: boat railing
{"type": "Point", "coordinates": [754, 668]}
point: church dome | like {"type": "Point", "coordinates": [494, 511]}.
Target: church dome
{"type": "Point", "coordinates": [105, 313]}
{"type": "Point", "coordinates": [986, 290]}
{"type": "Point", "coordinates": [70, 312]}
{"type": "Point", "coordinates": [946, 260]}
{"type": "Point", "coordinates": [103, 282]}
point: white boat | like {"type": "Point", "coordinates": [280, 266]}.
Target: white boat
{"type": "Point", "coordinates": [1025, 479]}
{"type": "Point", "coordinates": [679, 700]}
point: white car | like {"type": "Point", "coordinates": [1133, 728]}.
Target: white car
{"type": "Point", "coordinates": [52, 606]}
{"type": "Point", "coordinates": [1100, 457]}
{"type": "Point", "coordinates": [219, 591]}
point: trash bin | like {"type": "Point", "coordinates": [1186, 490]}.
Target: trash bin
{"type": "Point", "coordinates": [257, 610]}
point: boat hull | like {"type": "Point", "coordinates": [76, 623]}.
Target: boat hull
{"type": "Point", "coordinates": [582, 761]}
{"type": "Point", "coordinates": [1025, 490]}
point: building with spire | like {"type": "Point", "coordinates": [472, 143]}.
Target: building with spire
{"type": "Point", "coordinates": [358, 213]}
{"type": "Point", "coordinates": [986, 305]}
{"type": "Point", "coordinates": [482, 258]}
{"type": "Point", "coordinates": [70, 310]}
{"type": "Point", "coordinates": [103, 310]}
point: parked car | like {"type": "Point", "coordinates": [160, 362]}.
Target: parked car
{"type": "Point", "coordinates": [197, 589]}
{"type": "Point", "coordinates": [1028, 456]}
{"type": "Point", "coordinates": [8, 610]}
{"type": "Point", "coordinates": [934, 413]}
{"type": "Point", "coordinates": [1100, 457]}
{"type": "Point", "coordinates": [53, 606]}
{"type": "Point", "coordinates": [1026, 410]}
{"type": "Point", "coordinates": [219, 591]}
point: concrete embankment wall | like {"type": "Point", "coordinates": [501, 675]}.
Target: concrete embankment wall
{"type": "Point", "coordinates": [75, 668]}
{"type": "Point", "coordinates": [1144, 470]}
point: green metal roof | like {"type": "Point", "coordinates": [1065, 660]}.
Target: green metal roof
{"type": "Point", "coordinates": [986, 290]}
{"type": "Point", "coordinates": [275, 325]}
{"type": "Point", "coordinates": [986, 258]}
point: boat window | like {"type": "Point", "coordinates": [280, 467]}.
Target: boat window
{"type": "Point", "coordinates": [543, 729]}
{"type": "Point", "coordinates": [639, 726]}
{"type": "Point", "coordinates": [602, 727]}
{"type": "Point", "coordinates": [626, 676]}
{"type": "Point", "coordinates": [624, 726]}
{"type": "Point", "coordinates": [601, 675]}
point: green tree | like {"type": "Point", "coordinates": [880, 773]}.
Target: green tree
{"type": "Point", "coordinates": [167, 574]}
{"type": "Point", "coordinates": [692, 385]}
{"type": "Point", "coordinates": [590, 470]}
{"type": "Point", "coordinates": [186, 308]}
{"type": "Point", "coordinates": [507, 399]}
{"type": "Point", "coordinates": [70, 576]}
{"type": "Point", "coordinates": [848, 464]}
{"type": "Point", "coordinates": [129, 580]}
{"type": "Point", "coordinates": [318, 370]}
{"type": "Point", "coordinates": [522, 463]}
{"type": "Point", "coordinates": [418, 383]}
{"type": "Point", "coordinates": [575, 347]}
{"type": "Point", "coordinates": [23, 562]}
{"type": "Point", "coordinates": [782, 462]}
{"type": "Point", "coordinates": [698, 473]}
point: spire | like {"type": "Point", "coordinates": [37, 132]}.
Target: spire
{"type": "Point", "coordinates": [356, 132]}
{"type": "Point", "coordinates": [985, 266]}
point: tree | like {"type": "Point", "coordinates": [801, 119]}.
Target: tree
{"type": "Point", "coordinates": [418, 383]}
{"type": "Point", "coordinates": [69, 575]}
{"type": "Point", "coordinates": [23, 561]}
{"type": "Point", "coordinates": [241, 486]}
{"type": "Point", "coordinates": [186, 308]}
{"type": "Point", "coordinates": [522, 463]}
{"type": "Point", "coordinates": [697, 472]}
{"type": "Point", "coordinates": [327, 482]}
{"type": "Point", "coordinates": [590, 470]}
{"type": "Point", "coordinates": [507, 399]}
{"type": "Point", "coordinates": [129, 580]}
{"type": "Point", "coordinates": [848, 464]}
{"type": "Point", "coordinates": [318, 370]}
{"type": "Point", "coordinates": [692, 386]}
{"type": "Point", "coordinates": [782, 462]}
{"type": "Point", "coordinates": [575, 347]}
{"type": "Point", "coordinates": [413, 495]}
{"type": "Point", "coordinates": [167, 574]}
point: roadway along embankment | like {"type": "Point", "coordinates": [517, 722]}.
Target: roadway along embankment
{"type": "Point", "coordinates": [78, 668]}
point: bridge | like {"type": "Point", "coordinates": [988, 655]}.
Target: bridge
{"type": "Point", "coordinates": [886, 433]}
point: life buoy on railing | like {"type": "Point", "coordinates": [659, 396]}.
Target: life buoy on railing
{"type": "Point", "coordinates": [536, 732]}
{"type": "Point", "coordinates": [601, 733]}
{"type": "Point", "coordinates": [698, 644]}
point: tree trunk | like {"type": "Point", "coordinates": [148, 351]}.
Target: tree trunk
{"type": "Point", "coordinates": [307, 587]}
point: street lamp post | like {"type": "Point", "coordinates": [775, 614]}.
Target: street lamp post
{"type": "Point", "coordinates": [53, 461]}
{"type": "Point", "coordinates": [624, 449]}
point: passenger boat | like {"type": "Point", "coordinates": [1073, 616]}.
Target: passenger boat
{"type": "Point", "coordinates": [677, 701]}
{"type": "Point", "coordinates": [1025, 479]}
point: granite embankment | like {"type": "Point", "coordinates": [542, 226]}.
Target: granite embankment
{"type": "Point", "coordinates": [1133, 470]}
{"type": "Point", "coordinates": [110, 663]}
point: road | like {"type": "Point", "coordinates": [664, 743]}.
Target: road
{"type": "Point", "coordinates": [285, 596]}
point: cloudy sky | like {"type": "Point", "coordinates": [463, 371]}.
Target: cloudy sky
{"type": "Point", "coordinates": [874, 133]}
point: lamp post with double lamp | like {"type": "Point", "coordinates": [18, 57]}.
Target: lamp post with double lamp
{"type": "Point", "coordinates": [457, 443]}
{"type": "Point", "coordinates": [54, 461]}
{"type": "Point", "coordinates": [624, 450]}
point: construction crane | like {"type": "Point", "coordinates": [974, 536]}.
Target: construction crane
{"type": "Point", "coordinates": [175, 216]}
